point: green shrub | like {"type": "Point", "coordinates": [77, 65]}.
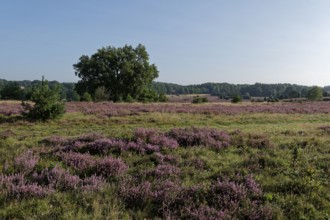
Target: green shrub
{"type": "Point", "coordinates": [47, 103]}
{"type": "Point", "coordinates": [129, 98]}
{"type": "Point", "coordinates": [198, 99]}
{"type": "Point", "coordinates": [236, 99]}
{"type": "Point", "coordinates": [162, 98]}
{"type": "Point", "coordinates": [86, 97]}
{"type": "Point", "coordinates": [100, 94]}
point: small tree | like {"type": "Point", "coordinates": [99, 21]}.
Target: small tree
{"type": "Point", "coordinates": [315, 93]}
{"type": "Point", "coordinates": [236, 99]}
{"type": "Point", "coordinates": [47, 103]}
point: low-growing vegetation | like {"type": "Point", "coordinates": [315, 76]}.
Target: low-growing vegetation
{"type": "Point", "coordinates": [167, 161]}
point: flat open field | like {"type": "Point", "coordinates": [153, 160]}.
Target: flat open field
{"type": "Point", "coordinates": [175, 161]}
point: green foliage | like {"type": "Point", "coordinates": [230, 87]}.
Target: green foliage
{"type": "Point", "coordinates": [148, 95]}
{"type": "Point", "coordinates": [129, 98]}
{"type": "Point", "coordinates": [198, 99]}
{"type": "Point", "coordinates": [100, 94]}
{"type": "Point", "coordinates": [225, 90]}
{"type": "Point", "coordinates": [12, 91]}
{"type": "Point", "coordinates": [75, 96]}
{"type": "Point", "coordinates": [47, 103]}
{"type": "Point", "coordinates": [162, 98]}
{"type": "Point", "coordinates": [315, 93]}
{"type": "Point", "coordinates": [236, 99]}
{"type": "Point", "coordinates": [293, 174]}
{"type": "Point", "coordinates": [86, 97]}
{"type": "Point", "coordinates": [272, 99]}
{"type": "Point", "coordinates": [123, 72]}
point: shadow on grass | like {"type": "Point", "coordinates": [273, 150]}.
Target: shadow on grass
{"type": "Point", "coordinates": [14, 119]}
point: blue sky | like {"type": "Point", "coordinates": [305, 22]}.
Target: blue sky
{"type": "Point", "coordinates": [190, 41]}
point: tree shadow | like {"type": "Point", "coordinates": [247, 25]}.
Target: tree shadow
{"type": "Point", "coordinates": [13, 119]}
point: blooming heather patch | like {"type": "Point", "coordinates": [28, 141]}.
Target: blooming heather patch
{"type": "Point", "coordinates": [164, 172]}
{"type": "Point", "coordinates": [92, 183]}
{"type": "Point", "coordinates": [163, 141]}
{"type": "Point", "coordinates": [164, 191]}
{"type": "Point", "coordinates": [110, 167]}
{"type": "Point", "coordinates": [8, 109]}
{"type": "Point", "coordinates": [115, 109]}
{"type": "Point", "coordinates": [188, 137]}
{"type": "Point", "coordinates": [237, 195]}
{"type": "Point", "coordinates": [135, 195]}
{"type": "Point", "coordinates": [104, 146]}
{"type": "Point", "coordinates": [141, 147]}
{"type": "Point", "coordinates": [197, 163]}
{"type": "Point", "coordinates": [80, 162]}
{"type": "Point", "coordinates": [259, 141]}
{"type": "Point", "coordinates": [63, 180]}
{"type": "Point", "coordinates": [226, 194]}
{"type": "Point", "coordinates": [152, 183]}
{"type": "Point", "coordinates": [154, 137]}
{"type": "Point", "coordinates": [16, 186]}
{"type": "Point", "coordinates": [26, 162]}
{"type": "Point", "coordinates": [120, 109]}
{"type": "Point", "coordinates": [144, 134]}
{"type": "Point", "coordinates": [40, 185]}
{"type": "Point", "coordinates": [58, 178]}
{"type": "Point", "coordinates": [159, 158]}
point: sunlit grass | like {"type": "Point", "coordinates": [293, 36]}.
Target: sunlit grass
{"type": "Point", "coordinates": [293, 187]}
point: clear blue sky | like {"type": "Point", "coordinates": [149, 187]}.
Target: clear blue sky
{"type": "Point", "coordinates": [190, 41]}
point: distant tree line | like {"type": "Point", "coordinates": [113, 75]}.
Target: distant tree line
{"type": "Point", "coordinates": [21, 90]}
{"type": "Point", "coordinates": [226, 90]}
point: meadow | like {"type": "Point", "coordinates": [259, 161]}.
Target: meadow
{"type": "Point", "coordinates": [167, 161]}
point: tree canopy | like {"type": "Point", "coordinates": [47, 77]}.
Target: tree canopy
{"type": "Point", "coordinates": [123, 73]}
{"type": "Point", "coordinates": [226, 90]}
{"type": "Point", "coordinates": [12, 91]}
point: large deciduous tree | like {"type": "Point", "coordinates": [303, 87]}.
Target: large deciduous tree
{"type": "Point", "coordinates": [123, 72]}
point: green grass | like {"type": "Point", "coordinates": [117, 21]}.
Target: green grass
{"type": "Point", "coordinates": [294, 173]}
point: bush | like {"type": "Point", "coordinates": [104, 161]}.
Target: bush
{"type": "Point", "coordinates": [162, 98]}
{"type": "Point", "coordinates": [236, 99]}
{"type": "Point", "coordinates": [86, 97]}
{"type": "Point", "coordinates": [198, 99]}
{"type": "Point", "coordinates": [100, 94]}
{"type": "Point", "coordinates": [47, 103]}
{"type": "Point", "coordinates": [129, 98]}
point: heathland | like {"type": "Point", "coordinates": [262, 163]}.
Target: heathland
{"type": "Point", "coordinates": [167, 160]}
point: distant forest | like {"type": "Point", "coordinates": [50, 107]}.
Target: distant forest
{"type": "Point", "coordinates": [226, 90]}
{"type": "Point", "coordinates": [222, 90]}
